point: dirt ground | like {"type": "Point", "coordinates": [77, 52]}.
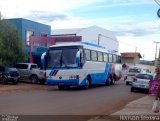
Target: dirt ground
{"type": "Point", "coordinates": [22, 87]}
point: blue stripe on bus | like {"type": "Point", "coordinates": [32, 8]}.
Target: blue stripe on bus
{"type": "Point", "coordinates": [99, 78]}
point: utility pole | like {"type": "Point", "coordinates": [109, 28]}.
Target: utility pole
{"type": "Point", "coordinates": [99, 38]}
{"type": "Point", "coordinates": [135, 49]}
{"type": "Point", "coordinates": [156, 51]}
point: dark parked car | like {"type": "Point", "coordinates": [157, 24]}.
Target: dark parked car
{"type": "Point", "coordinates": [9, 75]}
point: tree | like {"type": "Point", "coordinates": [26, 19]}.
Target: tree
{"type": "Point", "coordinates": [11, 48]}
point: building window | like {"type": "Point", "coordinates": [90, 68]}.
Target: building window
{"type": "Point", "coordinates": [28, 34]}
{"type": "Point", "coordinates": [36, 43]}
{"type": "Point", "coordinates": [49, 44]}
{"type": "Point", "coordinates": [43, 44]}
{"type": "Point", "coordinates": [43, 35]}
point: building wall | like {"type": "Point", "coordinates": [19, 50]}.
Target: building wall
{"type": "Point", "coordinates": [130, 60]}
{"type": "Point", "coordinates": [136, 60]}
{"type": "Point", "coordinates": [94, 34]}
{"type": "Point", "coordinates": [127, 60]}
{"type": "Point", "coordinates": [24, 25]}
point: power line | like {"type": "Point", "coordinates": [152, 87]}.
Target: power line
{"type": "Point", "coordinates": [157, 1]}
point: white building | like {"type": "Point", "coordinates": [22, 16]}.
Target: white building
{"type": "Point", "coordinates": [93, 34]}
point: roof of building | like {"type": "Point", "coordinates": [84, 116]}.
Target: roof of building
{"type": "Point", "coordinates": [24, 19]}
{"type": "Point", "coordinates": [66, 31]}
{"type": "Point", "coordinates": [131, 54]}
{"type": "Point", "coordinates": [75, 30]}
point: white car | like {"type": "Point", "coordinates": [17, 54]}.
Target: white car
{"type": "Point", "coordinates": [134, 71]}
{"type": "Point", "coordinates": [141, 81]}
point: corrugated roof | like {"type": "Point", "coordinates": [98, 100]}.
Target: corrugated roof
{"type": "Point", "coordinates": [131, 54]}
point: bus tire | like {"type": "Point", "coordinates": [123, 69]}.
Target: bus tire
{"type": "Point", "coordinates": [88, 82]}
{"type": "Point", "coordinates": [108, 81]}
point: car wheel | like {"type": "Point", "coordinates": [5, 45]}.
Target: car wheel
{"type": "Point", "coordinates": [132, 89]}
{"type": "Point", "coordinates": [34, 79]}
{"type": "Point", "coordinates": [4, 80]}
{"type": "Point", "coordinates": [127, 83]}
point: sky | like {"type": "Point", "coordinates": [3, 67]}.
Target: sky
{"type": "Point", "coordinates": [134, 22]}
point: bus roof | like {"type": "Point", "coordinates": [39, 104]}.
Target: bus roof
{"type": "Point", "coordinates": [84, 45]}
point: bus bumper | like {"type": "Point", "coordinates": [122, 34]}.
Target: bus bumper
{"type": "Point", "coordinates": [72, 82]}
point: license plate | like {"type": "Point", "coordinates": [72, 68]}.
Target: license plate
{"type": "Point", "coordinates": [142, 85]}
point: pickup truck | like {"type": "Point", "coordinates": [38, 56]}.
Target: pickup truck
{"type": "Point", "coordinates": [30, 72]}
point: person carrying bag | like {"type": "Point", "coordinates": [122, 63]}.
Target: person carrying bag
{"type": "Point", "coordinates": [156, 105]}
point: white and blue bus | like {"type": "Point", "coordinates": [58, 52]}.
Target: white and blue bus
{"type": "Point", "coordinates": [81, 64]}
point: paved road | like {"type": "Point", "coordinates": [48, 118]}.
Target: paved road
{"type": "Point", "coordinates": [95, 101]}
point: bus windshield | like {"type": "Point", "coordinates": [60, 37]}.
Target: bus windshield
{"type": "Point", "coordinates": [62, 58]}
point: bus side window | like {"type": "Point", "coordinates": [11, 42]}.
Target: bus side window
{"type": "Point", "coordinates": [114, 59]}
{"type": "Point", "coordinates": [100, 56]}
{"type": "Point", "coordinates": [110, 58]}
{"type": "Point", "coordinates": [118, 59]}
{"type": "Point", "coordinates": [87, 54]}
{"type": "Point", "coordinates": [94, 55]}
{"type": "Point", "coordinates": [105, 56]}
{"type": "Point", "coordinates": [82, 57]}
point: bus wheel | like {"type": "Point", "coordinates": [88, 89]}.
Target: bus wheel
{"type": "Point", "coordinates": [108, 82]}
{"type": "Point", "coordinates": [88, 83]}
{"type": "Point", "coordinates": [60, 87]}
{"type": "Point", "coordinates": [113, 82]}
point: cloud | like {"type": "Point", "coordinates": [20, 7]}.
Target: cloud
{"type": "Point", "coordinates": [46, 16]}
{"type": "Point", "coordinates": [115, 3]}
{"type": "Point", "coordinates": [136, 28]}
{"type": "Point", "coordinates": [144, 45]}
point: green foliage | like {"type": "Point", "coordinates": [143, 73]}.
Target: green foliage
{"type": "Point", "coordinates": [11, 48]}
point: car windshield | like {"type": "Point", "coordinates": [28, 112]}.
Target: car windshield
{"type": "Point", "coordinates": [11, 69]}
{"type": "Point", "coordinates": [62, 58]}
{"type": "Point", "coordinates": [134, 70]}
{"type": "Point", "coordinates": [144, 76]}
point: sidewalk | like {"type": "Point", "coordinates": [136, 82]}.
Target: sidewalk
{"type": "Point", "coordinates": [139, 107]}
